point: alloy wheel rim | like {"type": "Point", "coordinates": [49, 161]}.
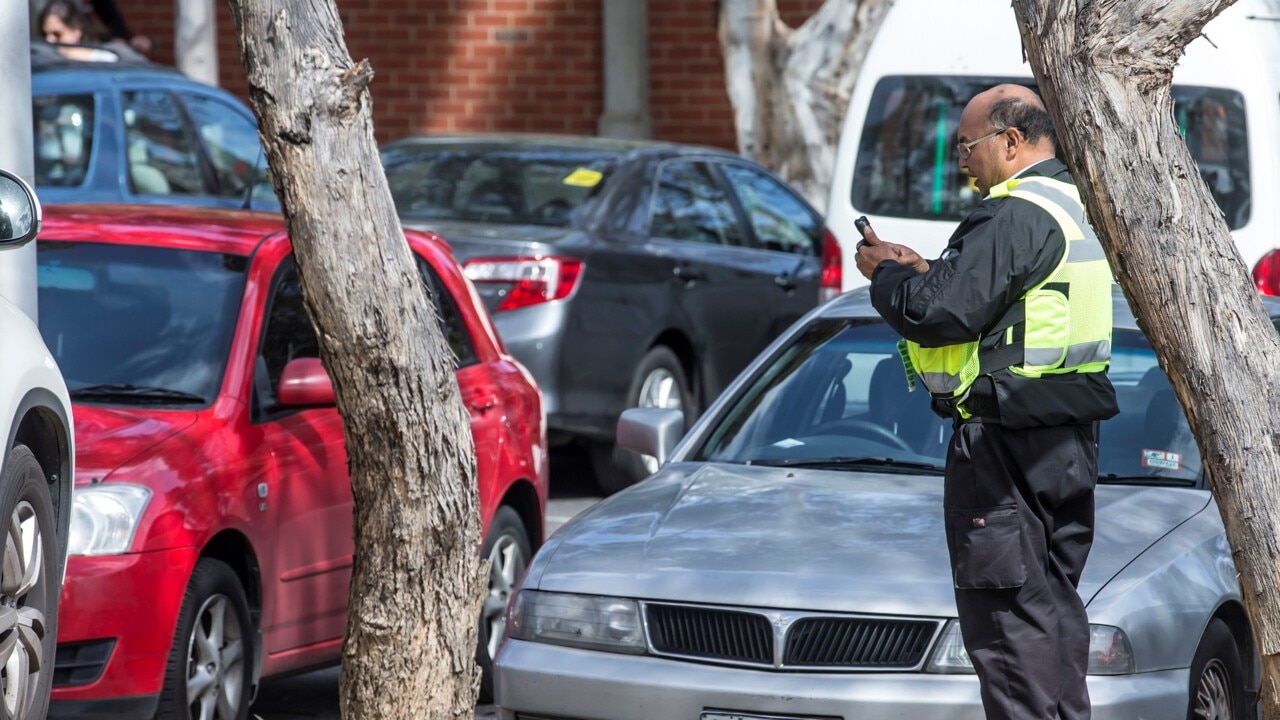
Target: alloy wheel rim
{"type": "Point", "coordinates": [506, 565]}
{"type": "Point", "coordinates": [22, 600]}
{"type": "Point", "coordinates": [1213, 694]}
{"type": "Point", "coordinates": [659, 390]}
{"type": "Point", "coordinates": [215, 662]}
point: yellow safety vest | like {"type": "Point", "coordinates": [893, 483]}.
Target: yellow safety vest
{"type": "Point", "coordinates": [1066, 318]}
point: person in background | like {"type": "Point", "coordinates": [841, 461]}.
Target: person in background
{"type": "Point", "coordinates": [72, 29]}
{"type": "Point", "coordinates": [65, 24]}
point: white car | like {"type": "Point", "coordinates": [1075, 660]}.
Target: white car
{"type": "Point", "coordinates": [36, 473]}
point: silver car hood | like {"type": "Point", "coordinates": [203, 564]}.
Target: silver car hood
{"type": "Point", "coordinates": [808, 539]}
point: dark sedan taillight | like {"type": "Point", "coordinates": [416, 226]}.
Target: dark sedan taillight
{"type": "Point", "coordinates": [1266, 274]}
{"type": "Point", "coordinates": [832, 267]}
{"type": "Point", "coordinates": [527, 280]}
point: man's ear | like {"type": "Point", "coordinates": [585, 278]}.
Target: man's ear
{"type": "Point", "coordinates": [1013, 141]}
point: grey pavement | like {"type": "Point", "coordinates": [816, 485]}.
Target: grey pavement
{"type": "Point", "coordinates": [314, 695]}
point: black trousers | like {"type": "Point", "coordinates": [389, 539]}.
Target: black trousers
{"type": "Point", "coordinates": [1019, 518]}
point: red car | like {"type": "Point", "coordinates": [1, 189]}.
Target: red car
{"type": "Point", "coordinates": [211, 538]}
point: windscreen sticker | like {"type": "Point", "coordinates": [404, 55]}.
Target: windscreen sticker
{"type": "Point", "coordinates": [788, 443]}
{"type": "Point", "coordinates": [1161, 459]}
{"type": "Point", "coordinates": [584, 177]}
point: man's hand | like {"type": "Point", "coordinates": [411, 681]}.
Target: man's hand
{"type": "Point", "coordinates": [872, 251]}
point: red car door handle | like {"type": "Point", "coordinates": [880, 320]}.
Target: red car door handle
{"type": "Point", "coordinates": [484, 406]}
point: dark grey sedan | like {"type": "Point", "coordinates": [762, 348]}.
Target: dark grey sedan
{"type": "Point", "coordinates": [622, 274]}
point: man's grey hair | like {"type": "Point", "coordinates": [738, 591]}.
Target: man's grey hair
{"type": "Point", "coordinates": [1031, 120]}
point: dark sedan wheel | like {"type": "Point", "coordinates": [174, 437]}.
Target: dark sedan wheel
{"type": "Point", "coordinates": [209, 672]}
{"type": "Point", "coordinates": [659, 382]}
{"type": "Point", "coordinates": [509, 552]}
{"type": "Point", "coordinates": [28, 588]}
{"type": "Point", "coordinates": [1217, 678]}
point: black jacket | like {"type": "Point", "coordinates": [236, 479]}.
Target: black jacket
{"type": "Point", "coordinates": [1003, 248]}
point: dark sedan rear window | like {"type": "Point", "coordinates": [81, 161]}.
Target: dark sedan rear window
{"type": "Point", "coordinates": [495, 185]}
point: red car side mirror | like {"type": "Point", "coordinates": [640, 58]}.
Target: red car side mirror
{"type": "Point", "coordinates": [304, 382]}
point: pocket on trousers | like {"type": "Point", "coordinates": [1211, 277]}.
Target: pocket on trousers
{"type": "Point", "coordinates": [988, 547]}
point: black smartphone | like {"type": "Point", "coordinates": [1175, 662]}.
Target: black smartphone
{"type": "Point", "coordinates": [862, 223]}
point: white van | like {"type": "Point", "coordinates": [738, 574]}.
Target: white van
{"type": "Point", "coordinates": [897, 162]}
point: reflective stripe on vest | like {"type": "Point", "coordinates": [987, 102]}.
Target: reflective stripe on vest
{"type": "Point", "coordinates": [1066, 318]}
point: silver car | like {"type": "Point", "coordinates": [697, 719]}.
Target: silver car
{"type": "Point", "coordinates": [788, 561]}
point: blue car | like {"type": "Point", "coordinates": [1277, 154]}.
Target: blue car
{"type": "Point", "coordinates": [136, 132]}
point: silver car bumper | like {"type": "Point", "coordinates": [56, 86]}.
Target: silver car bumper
{"type": "Point", "coordinates": [557, 682]}
{"type": "Point", "coordinates": [533, 336]}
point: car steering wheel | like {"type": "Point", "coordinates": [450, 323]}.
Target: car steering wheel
{"type": "Point", "coordinates": [871, 431]}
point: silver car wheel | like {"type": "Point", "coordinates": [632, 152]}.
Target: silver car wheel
{"type": "Point", "coordinates": [22, 627]}
{"type": "Point", "coordinates": [660, 389]}
{"type": "Point", "coordinates": [215, 654]}
{"type": "Point", "coordinates": [1213, 694]}
{"type": "Point", "coordinates": [506, 566]}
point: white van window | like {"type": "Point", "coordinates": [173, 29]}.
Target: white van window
{"type": "Point", "coordinates": [907, 165]}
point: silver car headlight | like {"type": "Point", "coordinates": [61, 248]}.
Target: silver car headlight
{"type": "Point", "coordinates": [585, 621]}
{"type": "Point", "coordinates": [1109, 652]}
{"type": "Point", "coordinates": [949, 655]}
{"type": "Point", "coordinates": [104, 518]}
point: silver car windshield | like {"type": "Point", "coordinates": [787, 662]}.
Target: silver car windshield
{"type": "Point", "coordinates": [838, 397]}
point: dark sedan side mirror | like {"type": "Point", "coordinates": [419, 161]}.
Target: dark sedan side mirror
{"type": "Point", "coordinates": [19, 211]}
{"type": "Point", "coordinates": [305, 383]}
{"type": "Point", "coordinates": [651, 431]}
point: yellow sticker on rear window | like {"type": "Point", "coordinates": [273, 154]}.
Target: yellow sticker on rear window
{"type": "Point", "coordinates": [584, 177]}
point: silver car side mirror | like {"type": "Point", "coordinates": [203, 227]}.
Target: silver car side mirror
{"type": "Point", "coordinates": [19, 211]}
{"type": "Point", "coordinates": [651, 431]}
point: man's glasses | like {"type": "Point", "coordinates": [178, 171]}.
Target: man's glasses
{"type": "Point", "coordinates": [965, 148]}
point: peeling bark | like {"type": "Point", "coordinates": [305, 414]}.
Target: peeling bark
{"type": "Point", "coordinates": [1105, 71]}
{"type": "Point", "coordinates": [416, 584]}
{"type": "Point", "coordinates": [790, 88]}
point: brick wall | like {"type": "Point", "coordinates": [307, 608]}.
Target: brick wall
{"type": "Point", "coordinates": [687, 93]}
{"type": "Point", "coordinates": [506, 65]}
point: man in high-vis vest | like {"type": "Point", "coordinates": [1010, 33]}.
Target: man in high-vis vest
{"type": "Point", "coordinates": [1010, 333]}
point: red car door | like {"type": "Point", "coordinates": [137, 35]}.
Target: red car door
{"type": "Point", "coordinates": [309, 491]}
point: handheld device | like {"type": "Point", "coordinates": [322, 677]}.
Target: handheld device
{"type": "Point", "coordinates": [862, 223]}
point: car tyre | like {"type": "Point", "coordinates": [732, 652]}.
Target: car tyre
{"type": "Point", "coordinates": [1217, 677]}
{"type": "Point", "coordinates": [508, 549]}
{"type": "Point", "coordinates": [209, 675]}
{"type": "Point", "coordinates": [659, 381]}
{"type": "Point", "coordinates": [29, 587]}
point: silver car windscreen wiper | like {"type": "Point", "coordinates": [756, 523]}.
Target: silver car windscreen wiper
{"type": "Point", "coordinates": [1115, 479]}
{"type": "Point", "coordinates": [134, 393]}
{"type": "Point", "coordinates": [851, 463]}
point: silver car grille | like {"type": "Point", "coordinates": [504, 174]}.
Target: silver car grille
{"type": "Point", "coordinates": [710, 633]}
{"type": "Point", "coordinates": [858, 642]}
{"type": "Point", "coordinates": [788, 640]}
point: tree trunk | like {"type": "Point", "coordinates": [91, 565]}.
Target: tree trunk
{"type": "Point", "coordinates": [195, 44]}
{"type": "Point", "coordinates": [416, 585]}
{"type": "Point", "coordinates": [790, 88]}
{"type": "Point", "coordinates": [1104, 70]}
